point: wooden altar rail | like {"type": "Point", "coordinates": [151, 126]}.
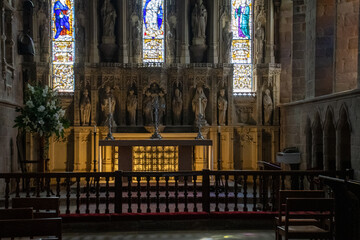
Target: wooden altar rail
{"type": "Point", "coordinates": [118, 192]}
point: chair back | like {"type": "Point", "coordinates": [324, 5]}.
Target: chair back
{"type": "Point", "coordinates": [44, 207]}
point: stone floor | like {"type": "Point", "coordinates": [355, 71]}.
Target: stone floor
{"type": "Point", "coordinates": [178, 235]}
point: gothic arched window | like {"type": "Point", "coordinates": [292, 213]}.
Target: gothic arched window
{"type": "Point", "coordinates": [241, 47]}
{"type": "Point", "coordinates": [153, 31]}
{"type": "Point", "coordinates": [63, 44]}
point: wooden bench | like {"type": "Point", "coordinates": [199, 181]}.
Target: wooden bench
{"type": "Point", "coordinates": [44, 207]}
{"type": "Point", "coordinates": [40, 227]}
{"type": "Point", "coordinates": [17, 213]}
{"type": "Point", "coordinates": [311, 208]}
{"type": "Point", "coordinates": [283, 195]}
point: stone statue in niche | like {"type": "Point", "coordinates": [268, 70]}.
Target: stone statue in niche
{"type": "Point", "coordinates": [260, 42]}
{"type": "Point", "coordinates": [268, 107]}
{"type": "Point", "coordinates": [199, 103]}
{"type": "Point", "coordinates": [85, 108]}
{"type": "Point", "coordinates": [147, 108]}
{"type": "Point", "coordinates": [80, 38]}
{"type": "Point", "coordinates": [177, 104]}
{"type": "Point", "coordinates": [108, 106]}
{"type": "Point", "coordinates": [162, 107]}
{"type": "Point", "coordinates": [199, 20]}
{"type": "Point", "coordinates": [131, 106]}
{"type": "Point", "coordinates": [227, 36]}
{"type": "Point", "coordinates": [108, 15]}
{"type": "Point", "coordinates": [136, 43]}
{"type": "Point", "coordinates": [222, 107]}
{"type": "Point", "coordinates": [170, 43]}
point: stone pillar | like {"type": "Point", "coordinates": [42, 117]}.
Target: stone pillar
{"type": "Point", "coordinates": [184, 30]}
{"type": "Point", "coordinates": [122, 30]}
{"type": "Point", "coordinates": [270, 56]}
{"type": "Point", "coordinates": [93, 32]}
{"type": "Point", "coordinates": [213, 32]}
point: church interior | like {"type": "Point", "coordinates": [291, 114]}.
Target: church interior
{"type": "Point", "coordinates": [221, 104]}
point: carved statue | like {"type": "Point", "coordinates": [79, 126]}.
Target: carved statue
{"type": "Point", "coordinates": [170, 43]}
{"type": "Point", "coordinates": [131, 106]}
{"type": "Point", "coordinates": [147, 108]}
{"type": "Point", "coordinates": [227, 36]}
{"type": "Point", "coordinates": [85, 108]}
{"type": "Point", "coordinates": [199, 20]}
{"type": "Point", "coordinates": [199, 103]}
{"type": "Point", "coordinates": [222, 107]}
{"type": "Point", "coordinates": [108, 106]}
{"type": "Point", "coordinates": [136, 39]}
{"type": "Point", "coordinates": [177, 104]}
{"type": "Point", "coordinates": [268, 107]}
{"type": "Point", "coordinates": [108, 15]}
{"type": "Point", "coordinates": [162, 107]}
{"type": "Point", "coordinates": [260, 37]}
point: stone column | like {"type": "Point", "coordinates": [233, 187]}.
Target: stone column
{"type": "Point", "coordinates": [270, 57]}
{"type": "Point", "coordinates": [93, 32]}
{"type": "Point", "coordinates": [213, 32]}
{"type": "Point", "coordinates": [184, 30]}
{"type": "Point", "coordinates": [122, 30]}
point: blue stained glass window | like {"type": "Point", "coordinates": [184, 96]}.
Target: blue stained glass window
{"type": "Point", "coordinates": [241, 47]}
{"type": "Point", "coordinates": [153, 31]}
{"type": "Point", "coordinates": [63, 45]}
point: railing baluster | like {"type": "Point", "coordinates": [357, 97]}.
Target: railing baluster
{"type": "Point", "coordinates": [245, 209]}
{"type": "Point", "coordinates": [87, 194]}
{"type": "Point", "coordinates": [217, 182]}
{"type": "Point", "coordinates": [226, 192]}
{"type": "Point", "coordinates": [167, 194]}
{"type": "Point", "coordinates": [148, 195]}
{"type": "Point", "coordinates": [176, 194]}
{"type": "Point", "coordinates": [236, 193]}
{"type": "Point", "coordinates": [283, 181]}
{"type": "Point", "coordinates": [57, 186]}
{"type": "Point", "coordinates": [186, 194]}
{"type": "Point", "coordinates": [195, 193]}
{"type": "Point", "coordinates": [264, 197]}
{"type": "Point", "coordinates": [107, 195]}
{"type": "Point", "coordinates": [138, 178]}
{"type": "Point", "coordinates": [7, 192]}
{"type": "Point", "coordinates": [157, 195]}
{"type": "Point", "coordinates": [67, 195]}
{"type": "Point", "coordinates": [254, 193]}
{"type": "Point", "coordinates": [129, 194]}
{"type": "Point", "coordinates": [77, 195]}
{"type": "Point", "coordinates": [47, 184]}
{"type": "Point", "coordinates": [37, 186]}
{"type": "Point", "coordinates": [17, 187]}
{"type": "Point", "coordinates": [97, 194]}
{"type": "Point", "coordinates": [273, 192]}
{"type": "Point", "coordinates": [302, 182]}
{"type": "Point", "coordinates": [312, 186]}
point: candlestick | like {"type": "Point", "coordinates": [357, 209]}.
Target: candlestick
{"type": "Point", "coordinates": [109, 105]}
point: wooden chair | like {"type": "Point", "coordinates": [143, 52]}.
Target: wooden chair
{"type": "Point", "coordinates": [16, 213]}
{"type": "Point", "coordinates": [45, 207]}
{"type": "Point", "coordinates": [312, 208]}
{"type": "Point", "coordinates": [283, 195]}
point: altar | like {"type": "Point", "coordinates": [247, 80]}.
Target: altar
{"type": "Point", "coordinates": [154, 155]}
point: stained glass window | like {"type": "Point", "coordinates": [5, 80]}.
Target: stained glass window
{"type": "Point", "coordinates": [153, 31]}
{"type": "Point", "coordinates": [241, 47]}
{"type": "Point", "coordinates": [63, 45]}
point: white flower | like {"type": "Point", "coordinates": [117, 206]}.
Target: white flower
{"type": "Point", "coordinates": [41, 108]}
{"type": "Point", "coordinates": [40, 132]}
{"type": "Point", "coordinates": [26, 120]}
{"type": "Point", "coordinates": [45, 91]}
{"type": "Point", "coordinates": [61, 112]}
{"type": "Point", "coordinates": [31, 88]}
{"type": "Point", "coordinates": [41, 122]}
{"type": "Point", "coordinates": [56, 116]}
{"type": "Point", "coordinates": [30, 104]}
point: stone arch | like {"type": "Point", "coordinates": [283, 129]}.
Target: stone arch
{"type": "Point", "coordinates": [343, 147]}
{"type": "Point", "coordinates": [309, 139]}
{"type": "Point", "coordinates": [329, 141]}
{"type": "Point", "coordinates": [317, 143]}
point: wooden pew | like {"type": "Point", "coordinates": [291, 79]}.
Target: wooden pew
{"type": "Point", "coordinates": [44, 207]}
{"type": "Point", "coordinates": [312, 208]}
{"type": "Point", "coordinates": [40, 227]}
{"type": "Point", "coordinates": [17, 213]}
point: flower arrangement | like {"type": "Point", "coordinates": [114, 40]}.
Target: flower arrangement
{"type": "Point", "coordinates": [42, 112]}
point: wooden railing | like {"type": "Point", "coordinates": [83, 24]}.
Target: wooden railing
{"type": "Point", "coordinates": [146, 192]}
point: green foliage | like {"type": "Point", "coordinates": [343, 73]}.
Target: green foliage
{"type": "Point", "coordinates": [42, 112]}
